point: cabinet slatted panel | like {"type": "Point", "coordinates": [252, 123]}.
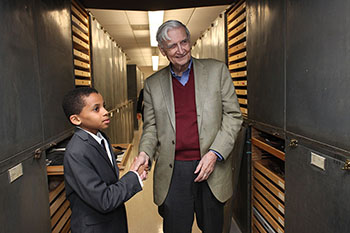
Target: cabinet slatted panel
{"type": "Point", "coordinates": [237, 55]}
{"type": "Point", "coordinates": [81, 45]}
{"type": "Point", "coordinates": [60, 212]}
{"type": "Point", "coordinates": [268, 184]}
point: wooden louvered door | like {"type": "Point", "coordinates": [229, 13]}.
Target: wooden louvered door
{"type": "Point", "coordinates": [237, 53]}
{"type": "Point", "coordinates": [81, 45]}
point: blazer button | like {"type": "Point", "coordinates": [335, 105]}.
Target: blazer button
{"type": "Point", "coordinates": [173, 142]}
{"type": "Point", "coordinates": [170, 165]}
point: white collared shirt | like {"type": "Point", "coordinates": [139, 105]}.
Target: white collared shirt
{"type": "Point", "coordinates": [99, 139]}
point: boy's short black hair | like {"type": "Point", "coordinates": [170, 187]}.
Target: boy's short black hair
{"type": "Point", "coordinates": [73, 102]}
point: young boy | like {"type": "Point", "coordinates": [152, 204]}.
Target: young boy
{"type": "Point", "coordinates": [93, 187]}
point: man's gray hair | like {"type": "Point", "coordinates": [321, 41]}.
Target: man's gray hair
{"type": "Point", "coordinates": [162, 33]}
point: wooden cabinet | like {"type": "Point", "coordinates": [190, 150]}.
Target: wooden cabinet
{"type": "Point", "coordinates": [59, 209]}
{"type": "Point", "coordinates": [81, 45]}
{"type": "Point", "coordinates": [297, 81]}
{"type": "Point", "coordinates": [268, 183]}
{"type": "Point", "coordinates": [236, 51]}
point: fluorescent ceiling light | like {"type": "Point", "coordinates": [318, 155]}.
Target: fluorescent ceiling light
{"type": "Point", "coordinates": [155, 19]}
{"type": "Point", "coordinates": [155, 61]}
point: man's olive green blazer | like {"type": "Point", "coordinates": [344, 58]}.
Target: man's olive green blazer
{"type": "Point", "coordinates": [219, 121]}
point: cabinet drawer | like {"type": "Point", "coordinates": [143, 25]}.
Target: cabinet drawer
{"type": "Point", "coordinates": [266, 215]}
{"type": "Point", "coordinates": [270, 186]}
{"type": "Point", "coordinates": [268, 196]}
{"type": "Point", "coordinates": [269, 208]}
{"type": "Point", "coordinates": [262, 166]}
{"type": "Point", "coordinates": [257, 227]}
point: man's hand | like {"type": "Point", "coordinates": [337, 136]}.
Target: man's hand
{"type": "Point", "coordinates": [205, 166]}
{"type": "Point", "coordinates": [140, 165]}
{"type": "Point", "coordinates": [143, 171]}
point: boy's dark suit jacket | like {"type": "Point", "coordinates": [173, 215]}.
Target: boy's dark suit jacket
{"type": "Point", "coordinates": [93, 187]}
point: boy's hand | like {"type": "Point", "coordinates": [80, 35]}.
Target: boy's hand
{"type": "Point", "coordinates": [143, 171]}
{"type": "Point", "coordinates": [140, 165]}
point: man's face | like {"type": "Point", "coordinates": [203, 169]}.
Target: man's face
{"type": "Point", "coordinates": [94, 116]}
{"type": "Point", "coordinates": [177, 49]}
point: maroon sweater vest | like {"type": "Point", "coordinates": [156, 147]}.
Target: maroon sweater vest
{"type": "Point", "coordinates": [187, 139]}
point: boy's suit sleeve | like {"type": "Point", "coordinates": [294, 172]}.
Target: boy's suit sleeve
{"type": "Point", "coordinates": [94, 183]}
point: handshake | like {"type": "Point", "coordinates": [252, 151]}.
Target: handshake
{"type": "Point", "coordinates": [140, 165]}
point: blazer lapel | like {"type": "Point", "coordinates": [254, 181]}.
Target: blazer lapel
{"type": "Point", "coordinates": [167, 89]}
{"type": "Point", "coordinates": [94, 143]}
{"type": "Point", "coordinates": [115, 167]}
{"type": "Point", "coordinates": [201, 85]}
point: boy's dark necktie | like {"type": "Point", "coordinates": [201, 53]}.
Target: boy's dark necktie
{"type": "Point", "coordinates": [103, 144]}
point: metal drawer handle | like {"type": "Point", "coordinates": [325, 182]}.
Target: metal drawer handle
{"type": "Point", "coordinates": [293, 143]}
{"type": "Point", "coordinates": [346, 165]}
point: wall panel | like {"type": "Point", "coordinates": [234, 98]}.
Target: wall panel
{"type": "Point", "coordinates": [109, 76]}
{"type": "Point", "coordinates": [318, 71]}
{"type": "Point", "coordinates": [317, 199]}
{"type": "Point", "coordinates": [55, 63]}
{"type": "Point", "coordinates": [212, 43]}
{"type": "Point", "coordinates": [25, 202]}
{"type": "Point", "coordinates": [20, 119]}
{"type": "Point", "coordinates": [265, 56]}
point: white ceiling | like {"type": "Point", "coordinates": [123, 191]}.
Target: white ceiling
{"type": "Point", "coordinates": [130, 30]}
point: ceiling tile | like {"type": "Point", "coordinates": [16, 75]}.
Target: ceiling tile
{"type": "Point", "coordinates": [181, 15]}
{"type": "Point", "coordinates": [110, 17]}
{"type": "Point", "coordinates": [137, 17]}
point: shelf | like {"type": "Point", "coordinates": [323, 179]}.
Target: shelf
{"type": "Point", "coordinates": [81, 55]}
{"type": "Point", "coordinates": [239, 65]}
{"type": "Point", "coordinates": [236, 11]}
{"type": "Point", "coordinates": [270, 209]}
{"type": "Point", "coordinates": [262, 145]}
{"type": "Point", "coordinates": [54, 170]}
{"type": "Point", "coordinates": [269, 185]}
{"type": "Point", "coordinates": [83, 18]}
{"type": "Point", "coordinates": [236, 39]}
{"type": "Point", "coordinates": [261, 165]}
{"type": "Point", "coordinates": [82, 73]}
{"type": "Point", "coordinates": [80, 33]}
{"type": "Point", "coordinates": [59, 209]}
{"type": "Point", "coordinates": [259, 227]}
{"type": "Point", "coordinates": [237, 29]}
{"type": "Point", "coordinates": [236, 48]}
{"type": "Point", "coordinates": [268, 196]}
{"type": "Point", "coordinates": [244, 110]}
{"type": "Point", "coordinates": [81, 45]}
{"type": "Point", "coordinates": [80, 24]}
{"type": "Point", "coordinates": [236, 21]}
{"type": "Point", "coordinates": [267, 216]}
{"type": "Point", "coordinates": [242, 101]}
{"type": "Point", "coordinates": [82, 82]}
{"type": "Point", "coordinates": [126, 155]}
{"type": "Point", "coordinates": [241, 92]}
{"type": "Point", "coordinates": [239, 74]}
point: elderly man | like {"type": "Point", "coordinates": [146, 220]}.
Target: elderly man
{"type": "Point", "coordinates": [191, 121]}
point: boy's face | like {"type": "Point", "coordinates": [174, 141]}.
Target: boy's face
{"type": "Point", "coordinates": [94, 116]}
